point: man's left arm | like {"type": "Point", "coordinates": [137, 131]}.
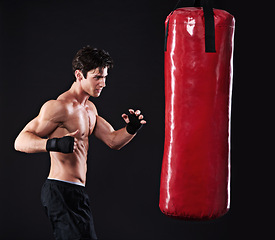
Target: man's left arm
{"type": "Point", "coordinates": [116, 139]}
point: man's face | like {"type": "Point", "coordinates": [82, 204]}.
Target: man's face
{"type": "Point", "coordinates": [95, 81]}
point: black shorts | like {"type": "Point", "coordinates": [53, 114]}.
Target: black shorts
{"type": "Point", "coordinates": [68, 208]}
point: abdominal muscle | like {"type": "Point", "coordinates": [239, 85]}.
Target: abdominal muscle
{"type": "Point", "coordinates": [70, 167]}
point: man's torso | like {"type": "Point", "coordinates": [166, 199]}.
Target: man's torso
{"type": "Point", "coordinates": [73, 166]}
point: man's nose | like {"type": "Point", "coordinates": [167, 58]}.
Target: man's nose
{"type": "Point", "coordinates": [103, 83]}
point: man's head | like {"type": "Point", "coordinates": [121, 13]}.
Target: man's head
{"type": "Point", "coordinates": [88, 58]}
{"type": "Point", "coordinates": [90, 67]}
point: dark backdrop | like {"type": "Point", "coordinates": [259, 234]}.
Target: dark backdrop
{"type": "Point", "coordinates": [38, 40]}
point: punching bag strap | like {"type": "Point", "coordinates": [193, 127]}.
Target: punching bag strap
{"type": "Point", "coordinates": [209, 25]}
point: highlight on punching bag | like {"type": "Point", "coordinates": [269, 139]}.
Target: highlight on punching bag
{"type": "Point", "coordinates": [195, 175]}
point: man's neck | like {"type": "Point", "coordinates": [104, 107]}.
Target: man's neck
{"type": "Point", "coordinates": [77, 92]}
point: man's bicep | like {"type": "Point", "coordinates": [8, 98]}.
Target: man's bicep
{"type": "Point", "coordinates": [40, 127]}
{"type": "Point", "coordinates": [103, 129]}
{"type": "Point", "coordinates": [45, 123]}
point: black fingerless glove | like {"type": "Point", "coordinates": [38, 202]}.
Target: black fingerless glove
{"type": "Point", "coordinates": [64, 144]}
{"type": "Point", "coordinates": [134, 125]}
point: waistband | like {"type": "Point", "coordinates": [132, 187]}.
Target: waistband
{"type": "Point", "coordinates": [65, 183]}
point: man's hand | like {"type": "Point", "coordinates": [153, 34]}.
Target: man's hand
{"type": "Point", "coordinates": [134, 121]}
{"type": "Point", "coordinates": [66, 144]}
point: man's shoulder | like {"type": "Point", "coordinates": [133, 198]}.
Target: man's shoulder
{"type": "Point", "coordinates": [54, 107]}
{"type": "Point", "coordinates": [57, 103]}
{"type": "Point", "coordinates": [91, 105]}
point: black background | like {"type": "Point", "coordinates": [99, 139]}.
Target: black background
{"type": "Point", "coordinates": [38, 40]}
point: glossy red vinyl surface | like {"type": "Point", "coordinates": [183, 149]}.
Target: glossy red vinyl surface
{"type": "Point", "coordinates": [195, 177]}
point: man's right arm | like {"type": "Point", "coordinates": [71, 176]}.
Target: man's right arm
{"type": "Point", "coordinates": [30, 139]}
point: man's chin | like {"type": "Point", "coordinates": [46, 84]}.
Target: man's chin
{"type": "Point", "coordinates": [95, 95]}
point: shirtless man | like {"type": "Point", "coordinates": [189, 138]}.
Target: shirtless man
{"type": "Point", "coordinates": [62, 128]}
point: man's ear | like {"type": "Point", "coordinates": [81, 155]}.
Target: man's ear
{"type": "Point", "coordinates": [78, 75]}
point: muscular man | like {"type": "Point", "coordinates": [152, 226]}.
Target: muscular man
{"type": "Point", "coordinates": [62, 128]}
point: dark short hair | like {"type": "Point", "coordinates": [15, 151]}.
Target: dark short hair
{"type": "Point", "coordinates": [89, 58]}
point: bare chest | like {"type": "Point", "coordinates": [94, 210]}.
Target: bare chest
{"type": "Point", "coordinates": [81, 118]}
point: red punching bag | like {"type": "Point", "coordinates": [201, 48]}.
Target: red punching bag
{"type": "Point", "coordinates": [195, 176]}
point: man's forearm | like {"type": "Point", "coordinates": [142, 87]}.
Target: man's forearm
{"type": "Point", "coordinates": [120, 138]}
{"type": "Point", "coordinates": [30, 143]}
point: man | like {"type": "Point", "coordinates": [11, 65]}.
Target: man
{"type": "Point", "coordinates": [62, 128]}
